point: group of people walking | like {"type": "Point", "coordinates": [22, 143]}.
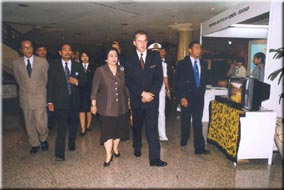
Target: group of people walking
{"type": "Point", "coordinates": [72, 92]}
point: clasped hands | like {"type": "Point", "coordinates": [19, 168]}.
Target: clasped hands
{"type": "Point", "coordinates": [147, 97]}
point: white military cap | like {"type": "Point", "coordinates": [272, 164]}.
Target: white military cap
{"type": "Point", "coordinates": [155, 47]}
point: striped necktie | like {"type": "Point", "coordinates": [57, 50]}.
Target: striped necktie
{"type": "Point", "coordinates": [67, 75]}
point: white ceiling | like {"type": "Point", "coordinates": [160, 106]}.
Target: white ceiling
{"type": "Point", "coordinates": [94, 22]}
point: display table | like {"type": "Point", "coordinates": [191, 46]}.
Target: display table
{"type": "Point", "coordinates": [241, 134]}
{"type": "Point", "coordinates": [210, 94]}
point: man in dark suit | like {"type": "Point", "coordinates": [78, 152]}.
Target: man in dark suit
{"type": "Point", "coordinates": [63, 97]}
{"type": "Point", "coordinates": [41, 51]}
{"type": "Point", "coordinates": [190, 86]}
{"type": "Point", "coordinates": [144, 78]}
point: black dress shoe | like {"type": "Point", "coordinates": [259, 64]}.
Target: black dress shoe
{"type": "Point", "coordinates": [44, 146]}
{"type": "Point", "coordinates": [72, 147]}
{"type": "Point", "coordinates": [106, 164]}
{"type": "Point", "coordinates": [116, 155]}
{"type": "Point", "coordinates": [88, 129]}
{"type": "Point", "coordinates": [137, 153]}
{"type": "Point", "coordinates": [158, 162]}
{"type": "Point", "coordinates": [34, 149]}
{"type": "Point", "coordinates": [183, 143]}
{"type": "Point", "coordinates": [81, 134]}
{"type": "Point", "coordinates": [59, 158]}
{"type": "Point", "coordinates": [202, 151]}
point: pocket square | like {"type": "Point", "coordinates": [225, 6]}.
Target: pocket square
{"type": "Point", "coordinates": [152, 66]}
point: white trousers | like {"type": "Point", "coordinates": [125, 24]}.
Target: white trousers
{"type": "Point", "coordinates": [162, 117]}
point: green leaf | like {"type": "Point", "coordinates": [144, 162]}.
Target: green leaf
{"type": "Point", "coordinates": [281, 96]}
{"type": "Point", "coordinates": [279, 53]}
{"type": "Point", "coordinates": [273, 75]}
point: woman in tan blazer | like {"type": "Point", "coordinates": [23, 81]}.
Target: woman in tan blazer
{"type": "Point", "coordinates": [110, 99]}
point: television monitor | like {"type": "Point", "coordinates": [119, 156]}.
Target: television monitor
{"type": "Point", "coordinates": [248, 92]}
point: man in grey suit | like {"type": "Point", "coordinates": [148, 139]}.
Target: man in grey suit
{"type": "Point", "coordinates": [30, 72]}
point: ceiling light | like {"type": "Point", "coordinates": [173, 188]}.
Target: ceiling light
{"type": "Point", "coordinates": [229, 42]}
{"type": "Point", "coordinates": [23, 5]}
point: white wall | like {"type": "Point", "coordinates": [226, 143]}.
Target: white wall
{"type": "Point", "coordinates": [274, 41]}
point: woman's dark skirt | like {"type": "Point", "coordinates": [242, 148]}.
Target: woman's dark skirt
{"type": "Point", "coordinates": [114, 127]}
{"type": "Point", "coordinates": [85, 102]}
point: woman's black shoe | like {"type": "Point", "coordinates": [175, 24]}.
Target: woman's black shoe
{"type": "Point", "coordinates": [116, 155]}
{"type": "Point", "coordinates": [82, 134]}
{"type": "Point", "coordinates": [106, 164]}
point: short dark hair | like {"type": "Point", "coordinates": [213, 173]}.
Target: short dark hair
{"type": "Point", "coordinates": [141, 32]}
{"type": "Point", "coordinates": [240, 59]}
{"type": "Point", "coordinates": [41, 46]}
{"type": "Point", "coordinates": [193, 43]}
{"type": "Point", "coordinates": [260, 55]}
{"type": "Point", "coordinates": [86, 52]}
{"type": "Point", "coordinates": [111, 49]}
{"type": "Point", "coordinates": [63, 44]}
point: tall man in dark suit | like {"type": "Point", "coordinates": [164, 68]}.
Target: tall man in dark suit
{"type": "Point", "coordinates": [190, 88]}
{"type": "Point", "coordinates": [63, 97]}
{"type": "Point", "coordinates": [30, 72]}
{"type": "Point", "coordinates": [41, 51]}
{"type": "Point", "coordinates": [144, 78]}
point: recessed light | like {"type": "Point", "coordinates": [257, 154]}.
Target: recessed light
{"type": "Point", "coordinates": [23, 5]}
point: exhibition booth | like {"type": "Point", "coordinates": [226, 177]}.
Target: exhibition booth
{"type": "Point", "coordinates": [262, 24]}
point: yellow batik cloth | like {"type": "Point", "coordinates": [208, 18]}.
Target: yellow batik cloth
{"type": "Point", "coordinates": [224, 128]}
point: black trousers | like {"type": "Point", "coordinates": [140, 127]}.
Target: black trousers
{"type": "Point", "coordinates": [66, 119]}
{"type": "Point", "coordinates": [150, 115]}
{"type": "Point", "coordinates": [194, 111]}
{"type": "Point", "coordinates": [51, 119]}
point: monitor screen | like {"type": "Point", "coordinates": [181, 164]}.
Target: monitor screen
{"type": "Point", "coordinates": [235, 89]}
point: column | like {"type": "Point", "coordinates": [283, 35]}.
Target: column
{"type": "Point", "coordinates": [184, 37]}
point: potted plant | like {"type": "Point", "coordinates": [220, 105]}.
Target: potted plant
{"type": "Point", "coordinates": [279, 53]}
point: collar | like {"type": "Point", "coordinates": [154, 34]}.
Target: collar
{"type": "Point", "coordinates": [144, 54]}
{"type": "Point", "coordinates": [68, 62]}
{"type": "Point", "coordinates": [192, 59]}
{"type": "Point", "coordinates": [31, 59]}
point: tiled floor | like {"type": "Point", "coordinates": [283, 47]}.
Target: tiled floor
{"type": "Point", "coordinates": [84, 167]}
